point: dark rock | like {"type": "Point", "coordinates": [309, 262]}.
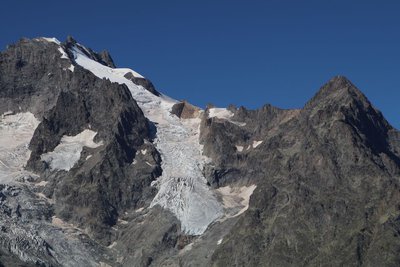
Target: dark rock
{"type": "Point", "coordinates": [147, 84]}
{"type": "Point", "coordinates": [322, 178]}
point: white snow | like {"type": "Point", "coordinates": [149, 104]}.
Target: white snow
{"type": "Point", "coordinates": [143, 151]}
{"type": "Point", "coordinates": [51, 40]}
{"type": "Point", "coordinates": [101, 71]}
{"type": "Point", "coordinates": [219, 242]}
{"type": "Point", "coordinates": [63, 54]}
{"type": "Point", "coordinates": [182, 188]}
{"type": "Point", "coordinates": [16, 131]}
{"type": "Point", "coordinates": [68, 152]}
{"type": "Point", "coordinates": [60, 49]}
{"type": "Point", "coordinates": [221, 113]}
{"type": "Point", "coordinates": [225, 114]}
{"type": "Point", "coordinates": [239, 148]}
{"type": "Point", "coordinates": [256, 143]}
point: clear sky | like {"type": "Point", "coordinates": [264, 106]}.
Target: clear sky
{"type": "Point", "coordinates": [242, 52]}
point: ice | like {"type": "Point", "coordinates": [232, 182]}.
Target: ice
{"type": "Point", "coordinates": [182, 188]}
{"type": "Point", "coordinates": [68, 152]}
{"type": "Point", "coordinates": [16, 131]}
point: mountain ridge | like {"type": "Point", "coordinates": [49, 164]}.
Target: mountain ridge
{"type": "Point", "coordinates": [161, 182]}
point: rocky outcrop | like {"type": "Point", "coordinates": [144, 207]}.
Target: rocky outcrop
{"type": "Point", "coordinates": [185, 110]}
{"type": "Point", "coordinates": [67, 102]}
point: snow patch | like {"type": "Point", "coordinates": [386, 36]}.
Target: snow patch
{"type": "Point", "coordinates": [42, 183]}
{"type": "Point", "coordinates": [139, 210]}
{"type": "Point", "coordinates": [143, 151]}
{"type": "Point", "coordinates": [235, 199]}
{"type": "Point", "coordinates": [112, 245]}
{"type": "Point", "coordinates": [16, 131]}
{"type": "Point", "coordinates": [256, 143]}
{"type": "Point", "coordinates": [219, 242]}
{"type": "Point", "coordinates": [71, 68]}
{"type": "Point", "coordinates": [239, 148]}
{"type": "Point", "coordinates": [221, 113]}
{"type": "Point", "coordinates": [225, 114]}
{"type": "Point", "coordinates": [63, 54]}
{"type": "Point", "coordinates": [68, 152]}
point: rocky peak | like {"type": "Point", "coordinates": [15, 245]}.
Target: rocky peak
{"type": "Point", "coordinates": [106, 58]}
{"type": "Point", "coordinates": [337, 91]}
{"type": "Point", "coordinates": [340, 99]}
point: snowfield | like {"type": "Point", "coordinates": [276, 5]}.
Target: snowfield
{"type": "Point", "coordinates": [68, 152]}
{"type": "Point", "coordinates": [16, 131]}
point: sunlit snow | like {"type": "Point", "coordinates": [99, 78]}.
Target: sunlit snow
{"type": "Point", "coordinates": [68, 152]}
{"type": "Point", "coordinates": [16, 131]}
{"type": "Point", "coordinates": [51, 40]}
{"type": "Point", "coordinates": [101, 71]}
{"type": "Point", "coordinates": [256, 143]}
{"type": "Point", "coordinates": [239, 148]}
{"type": "Point", "coordinates": [225, 114]}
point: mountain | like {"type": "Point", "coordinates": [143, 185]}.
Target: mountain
{"type": "Point", "coordinates": [98, 168]}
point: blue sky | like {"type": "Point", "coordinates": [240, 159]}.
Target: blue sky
{"type": "Point", "coordinates": [242, 52]}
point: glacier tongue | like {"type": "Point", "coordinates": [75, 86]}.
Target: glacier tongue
{"type": "Point", "coordinates": [182, 188]}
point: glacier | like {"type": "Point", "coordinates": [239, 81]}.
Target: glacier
{"type": "Point", "coordinates": [182, 187]}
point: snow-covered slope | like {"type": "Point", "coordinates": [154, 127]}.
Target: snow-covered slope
{"type": "Point", "coordinates": [182, 188]}
{"type": "Point", "coordinates": [68, 152]}
{"type": "Point", "coordinates": [16, 131]}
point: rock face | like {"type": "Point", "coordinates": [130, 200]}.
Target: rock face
{"type": "Point", "coordinates": [328, 188]}
{"type": "Point", "coordinates": [119, 175]}
{"type": "Point", "coordinates": [185, 110]}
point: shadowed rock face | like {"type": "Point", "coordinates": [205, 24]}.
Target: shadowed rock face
{"type": "Point", "coordinates": [326, 176]}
